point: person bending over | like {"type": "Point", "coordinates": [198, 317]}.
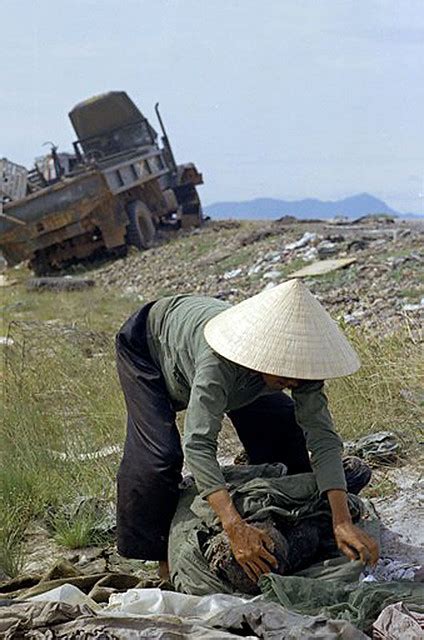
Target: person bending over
{"type": "Point", "coordinates": [210, 358]}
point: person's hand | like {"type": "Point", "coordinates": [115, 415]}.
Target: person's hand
{"type": "Point", "coordinates": [252, 548]}
{"type": "Point", "coordinates": [354, 542]}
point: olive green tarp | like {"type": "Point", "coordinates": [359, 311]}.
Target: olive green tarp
{"type": "Point", "coordinates": [359, 604]}
{"type": "Point", "coordinates": [259, 492]}
{"type": "Point", "coordinates": [331, 587]}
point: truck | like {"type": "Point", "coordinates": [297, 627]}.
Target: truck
{"type": "Point", "coordinates": [118, 187]}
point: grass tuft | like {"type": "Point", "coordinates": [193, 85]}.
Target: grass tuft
{"type": "Point", "coordinates": [78, 532]}
{"type": "Point", "coordinates": [381, 486]}
{"type": "Point", "coordinates": [15, 521]}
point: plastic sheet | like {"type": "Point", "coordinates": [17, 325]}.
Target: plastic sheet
{"type": "Point", "coordinates": [152, 613]}
{"type": "Point", "coordinates": [68, 593]}
{"type": "Point", "coordinates": [156, 601]}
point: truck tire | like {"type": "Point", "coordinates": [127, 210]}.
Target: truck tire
{"type": "Point", "coordinates": [141, 230]}
{"type": "Point", "coordinates": [40, 264]}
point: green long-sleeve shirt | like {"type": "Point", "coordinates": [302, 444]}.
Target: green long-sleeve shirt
{"type": "Point", "coordinates": [208, 385]}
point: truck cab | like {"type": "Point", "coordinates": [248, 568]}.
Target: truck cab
{"type": "Point", "coordinates": [110, 124]}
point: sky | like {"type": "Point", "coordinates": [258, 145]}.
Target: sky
{"type": "Point", "coordinates": [270, 98]}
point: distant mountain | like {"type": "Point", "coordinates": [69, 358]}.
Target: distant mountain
{"type": "Point", "coordinates": [270, 208]}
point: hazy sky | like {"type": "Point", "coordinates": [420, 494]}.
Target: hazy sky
{"type": "Point", "coordinates": [278, 98]}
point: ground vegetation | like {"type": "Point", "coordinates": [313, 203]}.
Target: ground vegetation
{"type": "Point", "coordinates": [63, 416]}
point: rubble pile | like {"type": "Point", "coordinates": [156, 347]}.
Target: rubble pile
{"type": "Point", "coordinates": [232, 260]}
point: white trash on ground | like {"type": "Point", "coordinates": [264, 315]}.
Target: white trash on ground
{"type": "Point", "coordinates": [68, 593]}
{"type": "Point", "coordinates": [156, 601]}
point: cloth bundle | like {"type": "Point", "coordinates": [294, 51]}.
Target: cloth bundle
{"type": "Point", "coordinates": [330, 587]}
{"type": "Point", "coordinates": [297, 516]}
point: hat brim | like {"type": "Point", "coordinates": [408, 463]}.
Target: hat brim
{"type": "Point", "coordinates": [284, 331]}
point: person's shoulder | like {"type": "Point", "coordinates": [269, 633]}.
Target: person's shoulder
{"type": "Point", "coordinates": [188, 305]}
{"type": "Point", "coordinates": [204, 303]}
{"type": "Point", "coordinates": [217, 365]}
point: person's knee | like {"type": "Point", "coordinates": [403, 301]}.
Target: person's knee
{"type": "Point", "coordinates": [162, 471]}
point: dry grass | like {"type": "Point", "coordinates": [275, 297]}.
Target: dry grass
{"type": "Point", "coordinates": [386, 393]}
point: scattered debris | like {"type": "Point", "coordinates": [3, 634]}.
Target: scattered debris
{"type": "Point", "coordinates": [5, 282]}
{"type": "Point", "coordinates": [414, 307]}
{"type": "Point", "coordinates": [272, 275]}
{"type": "Point", "coordinates": [354, 318]}
{"type": "Point", "coordinates": [229, 275]}
{"type": "Point", "coordinates": [310, 254]}
{"type": "Point", "coordinates": [376, 293]}
{"type": "Point", "coordinates": [377, 448]}
{"type": "Point", "coordinates": [398, 621]}
{"type": "Point", "coordinates": [87, 456]}
{"type": "Point", "coordinates": [326, 248]}
{"type": "Point", "coordinates": [357, 245]}
{"type": "Point", "coordinates": [65, 283]}
{"type": "Point", "coordinates": [306, 239]}
{"type": "Point", "coordinates": [386, 275]}
{"type": "Point", "coordinates": [256, 268]}
{"type": "Point", "coordinates": [321, 267]}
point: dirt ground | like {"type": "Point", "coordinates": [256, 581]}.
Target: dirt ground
{"type": "Point", "coordinates": [402, 515]}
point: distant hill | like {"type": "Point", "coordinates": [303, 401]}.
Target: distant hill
{"type": "Point", "coordinates": [270, 208]}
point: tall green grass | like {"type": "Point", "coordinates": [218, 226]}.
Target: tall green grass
{"type": "Point", "coordinates": [62, 406]}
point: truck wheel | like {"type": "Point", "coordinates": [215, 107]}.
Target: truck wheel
{"type": "Point", "coordinates": [141, 230]}
{"type": "Point", "coordinates": [40, 263]}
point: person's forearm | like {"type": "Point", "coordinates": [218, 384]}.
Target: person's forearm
{"type": "Point", "coordinates": [220, 501]}
{"type": "Point", "coordinates": [339, 506]}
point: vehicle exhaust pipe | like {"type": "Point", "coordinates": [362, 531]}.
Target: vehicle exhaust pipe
{"type": "Point", "coordinates": [165, 139]}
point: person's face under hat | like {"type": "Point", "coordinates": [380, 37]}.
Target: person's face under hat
{"type": "Point", "coordinates": [278, 383]}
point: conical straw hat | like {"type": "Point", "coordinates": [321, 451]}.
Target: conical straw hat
{"type": "Point", "coordinates": [283, 331]}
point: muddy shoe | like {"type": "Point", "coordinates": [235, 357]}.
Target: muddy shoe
{"type": "Point", "coordinates": [357, 472]}
{"type": "Point", "coordinates": [241, 458]}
